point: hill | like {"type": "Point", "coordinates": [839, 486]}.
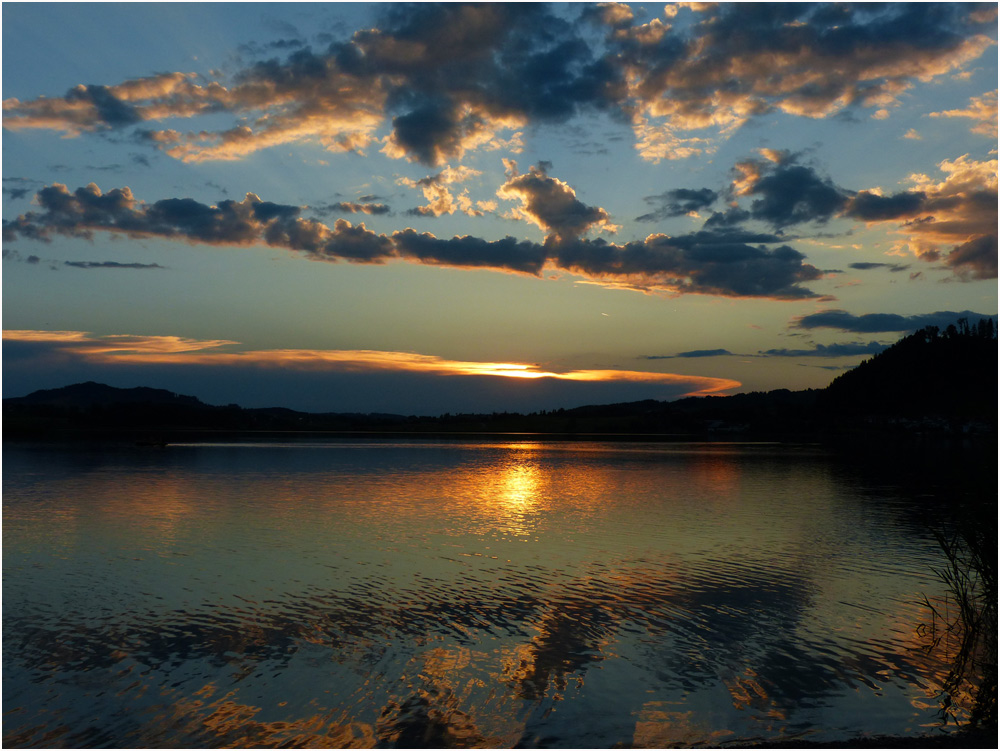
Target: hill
{"type": "Point", "coordinates": [939, 382]}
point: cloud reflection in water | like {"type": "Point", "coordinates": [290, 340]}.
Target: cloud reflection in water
{"type": "Point", "coordinates": [452, 595]}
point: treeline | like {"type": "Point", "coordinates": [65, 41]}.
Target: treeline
{"type": "Point", "coordinates": [932, 381]}
{"type": "Point", "coordinates": [931, 373]}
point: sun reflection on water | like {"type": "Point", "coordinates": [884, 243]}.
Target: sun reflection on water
{"type": "Point", "coordinates": [482, 595]}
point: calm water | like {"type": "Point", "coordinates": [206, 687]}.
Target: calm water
{"type": "Point", "coordinates": [460, 594]}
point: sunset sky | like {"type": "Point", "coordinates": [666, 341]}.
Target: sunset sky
{"type": "Point", "coordinates": [421, 209]}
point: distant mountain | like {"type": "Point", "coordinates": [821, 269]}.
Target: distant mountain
{"type": "Point", "coordinates": [89, 394]}
{"type": "Point", "coordinates": [942, 382]}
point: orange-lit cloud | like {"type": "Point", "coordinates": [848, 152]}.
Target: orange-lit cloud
{"type": "Point", "coordinates": [953, 220]}
{"type": "Point", "coordinates": [982, 110]}
{"type": "Point", "coordinates": [551, 204]}
{"type": "Point", "coordinates": [449, 79]}
{"type": "Point", "coordinates": [172, 350]}
{"type": "Point", "coordinates": [440, 199]}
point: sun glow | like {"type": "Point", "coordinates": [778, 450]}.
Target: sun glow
{"type": "Point", "coordinates": [174, 350]}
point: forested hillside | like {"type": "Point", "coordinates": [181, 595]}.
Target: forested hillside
{"type": "Point", "coordinates": [932, 381]}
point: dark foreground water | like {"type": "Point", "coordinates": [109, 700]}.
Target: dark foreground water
{"type": "Point", "coordinates": [461, 594]}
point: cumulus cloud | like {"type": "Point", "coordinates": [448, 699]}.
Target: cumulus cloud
{"type": "Point", "coordinates": [877, 322]}
{"type": "Point", "coordinates": [551, 204]}
{"type": "Point", "coordinates": [953, 220]}
{"type": "Point", "coordinates": [699, 263]}
{"type": "Point", "coordinates": [731, 263]}
{"type": "Point", "coordinates": [785, 192]}
{"type": "Point", "coordinates": [445, 79]}
{"type": "Point", "coordinates": [743, 60]}
{"type": "Point", "coordinates": [678, 202]}
{"type": "Point", "coordinates": [982, 110]}
{"type": "Point", "coordinates": [440, 199]}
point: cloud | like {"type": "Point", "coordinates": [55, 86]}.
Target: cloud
{"type": "Point", "coordinates": [982, 110]}
{"type": "Point", "coordinates": [722, 262]}
{"type": "Point", "coordinates": [551, 204]}
{"type": "Point", "coordinates": [678, 202]}
{"type": "Point", "coordinates": [692, 264]}
{"type": "Point", "coordinates": [19, 187]}
{"type": "Point", "coordinates": [743, 60]}
{"type": "Point", "coordinates": [866, 266]}
{"type": "Point", "coordinates": [172, 350]}
{"type": "Point", "coordinates": [867, 206]}
{"type": "Point", "coordinates": [848, 349]}
{"type": "Point", "coordinates": [692, 353]}
{"type": "Point", "coordinates": [731, 217]}
{"type": "Point", "coordinates": [446, 79]}
{"type": "Point", "coordinates": [953, 220]}
{"type": "Point", "coordinates": [352, 207]}
{"type": "Point", "coordinates": [13, 255]}
{"type": "Point", "coordinates": [877, 322]}
{"type": "Point", "coordinates": [111, 265]}
{"type": "Point", "coordinates": [786, 192]}
{"type": "Point", "coordinates": [439, 197]}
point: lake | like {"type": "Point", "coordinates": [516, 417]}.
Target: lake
{"type": "Point", "coordinates": [473, 593]}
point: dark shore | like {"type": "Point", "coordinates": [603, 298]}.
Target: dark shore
{"type": "Point", "coordinates": [965, 738]}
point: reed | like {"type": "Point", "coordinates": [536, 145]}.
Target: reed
{"type": "Point", "coordinates": [968, 616]}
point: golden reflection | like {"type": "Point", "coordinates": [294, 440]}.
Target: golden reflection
{"type": "Point", "coordinates": [518, 495]}
{"type": "Point", "coordinates": [719, 475]}
{"type": "Point", "coordinates": [437, 709]}
{"type": "Point", "coordinates": [231, 724]}
{"type": "Point", "coordinates": [748, 693]}
{"type": "Point", "coordinates": [519, 489]}
{"type": "Point", "coordinates": [660, 726]}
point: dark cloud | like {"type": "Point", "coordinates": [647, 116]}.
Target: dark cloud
{"type": "Point", "coordinates": [877, 322]}
{"type": "Point", "coordinates": [352, 207]}
{"type": "Point", "coordinates": [872, 207]}
{"type": "Point", "coordinates": [689, 265]}
{"type": "Point", "coordinates": [732, 216]}
{"type": "Point", "coordinates": [111, 265]}
{"type": "Point", "coordinates": [849, 349]}
{"type": "Point", "coordinates": [954, 220]}
{"type": "Point", "coordinates": [10, 254]}
{"type": "Point", "coordinates": [551, 204]}
{"type": "Point", "coordinates": [744, 59]}
{"type": "Point", "coordinates": [692, 353]}
{"type": "Point", "coordinates": [787, 193]}
{"type": "Point", "coordinates": [449, 77]}
{"type": "Point", "coordinates": [865, 266]}
{"type": "Point", "coordinates": [678, 203]}
{"type": "Point", "coordinates": [507, 254]}
{"type": "Point", "coordinates": [716, 263]}
{"type": "Point", "coordinates": [110, 109]}
{"type": "Point", "coordinates": [975, 259]}
{"type": "Point", "coordinates": [19, 187]}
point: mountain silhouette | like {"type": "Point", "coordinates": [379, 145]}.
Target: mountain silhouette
{"type": "Point", "coordinates": [930, 381]}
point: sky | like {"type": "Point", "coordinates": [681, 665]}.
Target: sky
{"type": "Point", "coordinates": [424, 208]}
